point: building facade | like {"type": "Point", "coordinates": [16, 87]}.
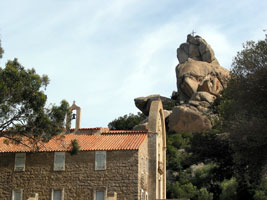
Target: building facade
{"type": "Point", "coordinates": [110, 165]}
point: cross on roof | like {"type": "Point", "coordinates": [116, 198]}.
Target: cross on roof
{"type": "Point", "coordinates": [193, 33]}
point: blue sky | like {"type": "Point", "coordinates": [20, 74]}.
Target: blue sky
{"type": "Point", "coordinates": [105, 53]}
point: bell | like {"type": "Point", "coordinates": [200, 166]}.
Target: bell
{"type": "Point", "coordinates": [73, 116]}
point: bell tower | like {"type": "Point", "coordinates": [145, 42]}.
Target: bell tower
{"type": "Point", "coordinates": [75, 114]}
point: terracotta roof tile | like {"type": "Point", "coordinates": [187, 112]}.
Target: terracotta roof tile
{"type": "Point", "coordinates": [125, 132]}
{"type": "Point", "coordinates": [97, 128]}
{"type": "Point", "coordinates": [86, 142]}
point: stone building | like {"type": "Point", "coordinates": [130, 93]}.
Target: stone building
{"type": "Point", "coordinates": [110, 165]}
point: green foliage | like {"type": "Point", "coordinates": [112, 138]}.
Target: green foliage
{"type": "Point", "coordinates": [185, 152]}
{"type": "Point", "coordinates": [1, 50]}
{"type": "Point", "coordinates": [190, 182]}
{"type": "Point", "coordinates": [75, 147]}
{"type": "Point", "coordinates": [22, 105]}
{"type": "Point", "coordinates": [243, 112]}
{"type": "Point", "coordinates": [211, 147]}
{"type": "Point", "coordinates": [187, 191]}
{"type": "Point", "coordinates": [203, 194]}
{"type": "Point", "coordinates": [261, 191]}
{"type": "Point", "coordinates": [203, 176]}
{"type": "Point", "coordinates": [177, 158]}
{"type": "Point", "coordinates": [229, 189]}
{"type": "Point", "coordinates": [126, 122]}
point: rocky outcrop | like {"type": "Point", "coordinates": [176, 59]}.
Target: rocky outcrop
{"type": "Point", "coordinates": [188, 119]}
{"type": "Point", "coordinates": [200, 79]}
{"type": "Point", "coordinates": [143, 103]}
{"type": "Point", "coordinates": [194, 76]}
{"type": "Point", "coordinates": [197, 49]}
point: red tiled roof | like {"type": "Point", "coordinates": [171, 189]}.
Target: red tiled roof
{"type": "Point", "coordinates": [86, 142]}
{"type": "Point", "coordinates": [85, 129]}
{"type": "Point", "coordinates": [125, 132]}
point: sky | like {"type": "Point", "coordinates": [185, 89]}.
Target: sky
{"type": "Point", "coordinates": [105, 53]}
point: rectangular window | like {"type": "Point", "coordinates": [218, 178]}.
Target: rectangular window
{"type": "Point", "coordinates": [146, 198]}
{"type": "Point", "coordinates": [100, 160]}
{"type": "Point", "coordinates": [17, 194]}
{"type": "Point", "coordinates": [100, 195]}
{"type": "Point", "coordinates": [20, 161]}
{"type": "Point", "coordinates": [58, 194]}
{"type": "Point", "coordinates": [142, 194]}
{"type": "Point", "coordinates": [144, 164]}
{"type": "Point", "coordinates": [59, 161]}
{"type": "Point", "coordinates": [147, 165]}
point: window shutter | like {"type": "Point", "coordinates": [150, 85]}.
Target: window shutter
{"type": "Point", "coordinates": [20, 161]}
{"type": "Point", "coordinates": [142, 194]}
{"type": "Point", "coordinates": [57, 195]}
{"type": "Point", "coordinates": [17, 195]}
{"type": "Point", "coordinates": [100, 160]}
{"type": "Point", "coordinates": [59, 161]}
{"type": "Point", "coordinates": [100, 195]}
{"type": "Point", "coordinates": [104, 159]}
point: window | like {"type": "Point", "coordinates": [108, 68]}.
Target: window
{"type": "Point", "coordinates": [147, 165]}
{"type": "Point", "coordinates": [146, 197]}
{"type": "Point", "coordinates": [17, 194]}
{"type": "Point", "coordinates": [20, 161]}
{"type": "Point", "coordinates": [142, 194]}
{"type": "Point", "coordinates": [58, 194]}
{"type": "Point", "coordinates": [59, 161]}
{"type": "Point", "coordinates": [144, 165]}
{"type": "Point", "coordinates": [142, 162]}
{"type": "Point", "coordinates": [100, 195]}
{"type": "Point", "coordinates": [100, 160]}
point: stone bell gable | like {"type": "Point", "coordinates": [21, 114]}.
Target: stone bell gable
{"type": "Point", "coordinates": [157, 150]}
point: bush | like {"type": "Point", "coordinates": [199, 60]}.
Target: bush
{"type": "Point", "coordinates": [229, 188]}
{"type": "Point", "coordinates": [261, 191]}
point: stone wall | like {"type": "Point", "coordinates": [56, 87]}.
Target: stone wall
{"type": "Point", "coordinates": [143, 175]}
{"type": "Point", "coordinates": [79, 179]}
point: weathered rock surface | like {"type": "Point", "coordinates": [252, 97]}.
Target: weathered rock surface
{"type": "Point", "coordinates": [143, 103]}
{"type": "Point", "coordinates": [188, 119]}
{"type": "Point", "coordinates": [200, 79]}
{"type": "Point", "coordinates": [167, 113]}
{"type": "Point", "coordinates": [203, 96]}
{"type": "Point", "coordinates": [193, 76]}
{"type": "Point", "coordinates": [196, 48]}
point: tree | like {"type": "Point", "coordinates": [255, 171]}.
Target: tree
{"type": "Point", "coordinates": [22, 106]}
{"type": "Point", "coordinates": [126, 122]}
{"type": "Point", "coordinates": [1, 50]}
{"type": "Point", "coordinates": [243, 113]}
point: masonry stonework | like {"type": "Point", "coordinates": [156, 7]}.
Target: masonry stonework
{"type": "Point", "coordinates": [79, 180]}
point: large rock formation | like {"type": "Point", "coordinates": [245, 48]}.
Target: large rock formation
{"type": "Point", "coordinates": [200, 79]}
{"type": "Point", "coordinates": [198, 69]}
